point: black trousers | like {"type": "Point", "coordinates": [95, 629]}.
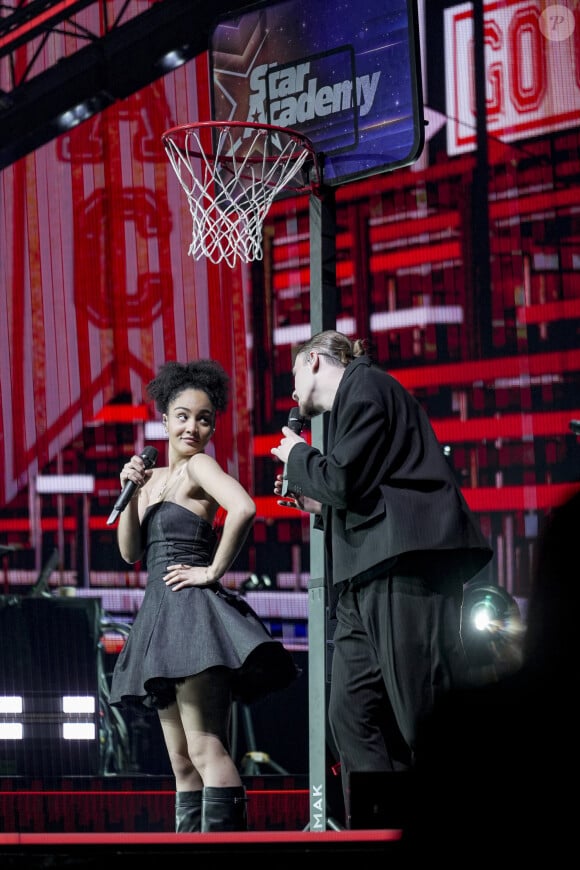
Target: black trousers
{"type": "Point", "coordinates": [397, 645]}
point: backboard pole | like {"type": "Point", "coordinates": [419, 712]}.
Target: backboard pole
{"type": "Point", "coordinates": [323, 307]}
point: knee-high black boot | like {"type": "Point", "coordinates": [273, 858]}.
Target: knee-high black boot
{"type": "Point", "coordinates": [224, 809]}
{"type": "Point", "coordinates": [187, 811]}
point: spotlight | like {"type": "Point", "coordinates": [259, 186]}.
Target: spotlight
{"type": "Point", "coordinates": [257, 584]}
{"type": "Point", "coordinates": [492, 630]}
{"type": "Point", "coordinates": [77, 114]}
{"type": "Point", "coordinates": [175, 58]}
{"type": "Point", "coordinates": [488, 607]}
{"type": "Point", "coordinates": [50, 705]}
{"type": "Point", "coordinates": [484, 613]}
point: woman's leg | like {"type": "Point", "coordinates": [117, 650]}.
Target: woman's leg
{"type": "Point", "coordinates": [205, 705]}
{"type": "Point", "coordinates": [188, 782]}
{"type": "Point", "coordinates": [187, 778]}
{"type": "Point", "coordinates": [196, 732]}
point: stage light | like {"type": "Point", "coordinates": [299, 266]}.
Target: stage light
{"type": "Point", "coordinates": [11, 704]}
{"type": "Point", "coordinates": [175, 58]}
{"type": "Point", "coordinates": [78, 704]}
{"type": "Point", "coordinates": [50, 712]}
{"type": "Point", "coordinates": [63, 484]}
{"type": "Point", "coordinates": [483, 613]}
{"type": "Point", "coordinates": [257, 584]}
{"type": "Point", "coordinates": [488, 608]}
{"type": "Point", "coordinates": [79, 731]}
{"type": "Point", "coordinates": [41, 723]}
{"type": "Point", "coordinates": [10, 730]}
{"type": "Point", "coordinates": [155, 431]}
{"type": "Point", "coordinates": [492, 630]}
{"type": "Point", "coordinates": [80, 112]}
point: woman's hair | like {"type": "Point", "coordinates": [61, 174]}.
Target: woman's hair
{"type": "Point", "coordinates": [175, 377]}
{"type": "Point", "coordinates": [335, 345]}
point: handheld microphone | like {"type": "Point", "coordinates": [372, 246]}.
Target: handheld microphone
{"type": "Point", "coordinates": [149, 457]}
{"type": "Point", "coordinates": [295, 422]}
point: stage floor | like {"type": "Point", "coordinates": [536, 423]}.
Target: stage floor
{"type": "Point", "coordinates": [135, 804]}
{"type": "Point", "coordinates": [120, 822]}
{"type": "Point", "coordinates": [263, 849]}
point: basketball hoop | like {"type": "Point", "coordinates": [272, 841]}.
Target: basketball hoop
{"type": "Point", "coordinates": [231, 172]}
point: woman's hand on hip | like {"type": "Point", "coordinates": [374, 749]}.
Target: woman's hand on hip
{"type": "Point", "coordinates": [182, 576]}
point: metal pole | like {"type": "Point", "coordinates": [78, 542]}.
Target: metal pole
{"type": "Point", "coordinates": [322, 316]}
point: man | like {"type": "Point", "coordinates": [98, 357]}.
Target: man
{"type": "Point", "coordinates": [400, 542]}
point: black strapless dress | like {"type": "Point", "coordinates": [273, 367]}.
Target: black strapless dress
{"type": "Point", "coordinates": [178, 634]}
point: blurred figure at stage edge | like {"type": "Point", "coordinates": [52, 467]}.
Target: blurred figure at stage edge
{"type": "Point", "coordinates": [195, 647]}
{"type": "Point", "coordinates": [400, 542]}
{"type": "Point", "coordinates": [507, 751]}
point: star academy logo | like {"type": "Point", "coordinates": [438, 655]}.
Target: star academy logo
{"type": "Point", "coordinates": [321, 96]}
{"type": "Point", "coordinates": [293, 95]}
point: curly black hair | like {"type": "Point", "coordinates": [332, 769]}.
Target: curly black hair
{"type": "Point", "coordinates": [175, 377]}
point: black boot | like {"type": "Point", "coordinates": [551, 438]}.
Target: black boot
{"type": "Point", "coordinates": [187, 811]}
{"type": "Point", "coordinates": [224, 809]}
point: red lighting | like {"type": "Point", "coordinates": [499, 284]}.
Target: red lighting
{"type": "Point", "coordinates": [122, 414]}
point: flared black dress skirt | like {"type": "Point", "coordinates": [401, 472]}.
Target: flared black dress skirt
{"type": "Point", "coordinates": [177, 634]}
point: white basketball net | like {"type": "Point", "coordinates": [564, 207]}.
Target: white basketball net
{"type": "Point", "coordinates": [231, 185]}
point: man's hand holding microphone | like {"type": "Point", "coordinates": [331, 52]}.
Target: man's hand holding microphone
{"type": "Point", "coordinates": [291, 437]}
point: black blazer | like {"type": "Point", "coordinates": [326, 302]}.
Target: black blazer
{"type": "Point", "coordinates": [386, 488]}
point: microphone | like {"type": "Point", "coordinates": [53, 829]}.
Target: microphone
{"type": "Point", "coordinates": [149, 457]}
{"type": "Point", "coordinates": [295, 422]}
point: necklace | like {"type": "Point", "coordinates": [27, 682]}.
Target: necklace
{"type": "Point", "coordinates": [168, 483]}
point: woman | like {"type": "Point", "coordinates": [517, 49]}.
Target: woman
{"type": "Point", "coordinates": [194, 646]}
